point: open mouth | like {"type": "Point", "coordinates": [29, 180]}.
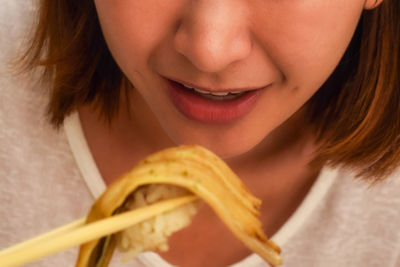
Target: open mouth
{"type": "Point", "coordinates": [214, 95]}
{"type": "Point", "coordinates": [211, 106]}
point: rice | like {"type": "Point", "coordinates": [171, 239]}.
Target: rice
{"type": "Point", "coordinates": [153, 234]}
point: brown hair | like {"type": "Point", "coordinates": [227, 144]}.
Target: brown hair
{"type": "Point", "coordinates": [356, 113]}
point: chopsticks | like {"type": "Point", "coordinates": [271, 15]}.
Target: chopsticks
{"type": "Point", "coordinates": [36, 240]}
{"type": "Point", "coordinates": [77, 232]}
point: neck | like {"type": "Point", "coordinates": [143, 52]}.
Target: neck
{"type": "Point", "coordinates": [277, 171]}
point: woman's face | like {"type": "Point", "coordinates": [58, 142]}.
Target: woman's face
{"type": "Point", "coordinates": [268, 56]}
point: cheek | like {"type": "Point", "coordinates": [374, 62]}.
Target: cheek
{"type": "Point", "coordinates": [306, 39]}
{"type": "Point", "coordinates": [133, 29]}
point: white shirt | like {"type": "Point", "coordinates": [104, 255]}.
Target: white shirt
{"type": "Point", "coordinates": [48, 178]}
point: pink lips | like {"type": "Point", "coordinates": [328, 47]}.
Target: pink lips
{"type": "Point", "coordinates": [196, 107]}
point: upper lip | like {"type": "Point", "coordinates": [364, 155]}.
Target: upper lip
{"type": "Point", "coordinates": [213, 89]}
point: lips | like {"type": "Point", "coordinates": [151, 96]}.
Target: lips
{"type": "Point", "coordinates": [207, 107]}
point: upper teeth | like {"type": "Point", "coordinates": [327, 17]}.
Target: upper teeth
{"type": "Point", "coordinates": [211, 93]}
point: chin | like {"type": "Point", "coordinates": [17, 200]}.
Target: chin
{"type": "Point", "coordinates": [226, 140]}
{"type": "Point", "coordinates": [226, 147]}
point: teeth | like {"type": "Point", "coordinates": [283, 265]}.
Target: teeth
{"type": "Point", "coordinates": [220, 93]}
{"type": "Point", "coordinates": [197, 90]}
{"type": "Point", "coordinates": [187, 86]}
{"type": "Point", "coordinates": [202, 91]}
{"type": "Point", "coordinates": [235, 92]}
{"type": "Point", "coordinates": [212, 93]}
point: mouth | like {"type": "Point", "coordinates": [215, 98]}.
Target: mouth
{"type": "Point", "coordinates": [223, 95]}
{"type": "Point", "coordinates": [213, 106]}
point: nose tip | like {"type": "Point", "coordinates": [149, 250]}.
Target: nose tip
{"type": "Point", "coordinates": [213, 37]}
{"type": "Point", "coordinates": [212, 54]}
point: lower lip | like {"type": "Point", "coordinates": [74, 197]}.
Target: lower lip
{"type": "Point", "coordinates": [201, 109]}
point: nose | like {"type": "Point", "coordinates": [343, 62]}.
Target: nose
{"type": "Point", "coordinates": [213, 34]}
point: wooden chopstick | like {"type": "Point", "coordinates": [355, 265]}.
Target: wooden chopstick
{"type": "Point", "coordinates": [76, 233]}
{"type": "Point", "coordinates": [49, 235]}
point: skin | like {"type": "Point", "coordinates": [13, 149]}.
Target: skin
{"type": "Point", "coordinates": [290, 46]}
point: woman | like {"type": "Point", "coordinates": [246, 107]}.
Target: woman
{"type": "Point", "coordinates": [299, 98]}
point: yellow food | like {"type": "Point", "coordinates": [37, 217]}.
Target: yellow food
{"type": "Point", "coordinates": [194, 170]}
